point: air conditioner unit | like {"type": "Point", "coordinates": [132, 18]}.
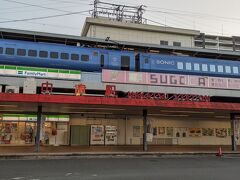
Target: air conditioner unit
{"type": "Point", "coordinates": [12, 89]}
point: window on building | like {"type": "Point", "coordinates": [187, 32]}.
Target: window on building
{"type": "Point", "coordinates": [65, 56]}
{"type": "Point", "coordinates": [32, 53]}
{"type": "Point", "coordinates": [179, 65]}
{"type": "Point", "coordinates": [196, 67]}
{"type": "Point", "coordinates": [125, 63]}
{"type": "Point", "coordinates": [235, 70]}
{"type": "Point", "coordinates": [1, 50]}
{"type": "Point", "coordinates": [228, 69]}
{"type": "Point", "coordinates": [165, 43]}
{"type": "Point", "coordinates": [54, 55]}
{"type": "Point", "coordinates": [102, 60]}
{"type": "Point", "coordinates": [212, 68]}
{"type": "Point", "coordinates": [220, 68]}
{"type": "Point", "coordinates": [21, 52]}
{"type": "Point", "coordinates": [204, 67]}
{"type": "Point", "coordinates": [177, 44]}
{"type": "Point", "coordinates": [188, 66]}
{"type": "Point", "coordinates": [84, 57]}
{"type": "Point", "coordinates": [75, 57]}
{"type": "Point", "coordinates": [10, 51]}
{"type": "Point", "coordinates": [43, 54]}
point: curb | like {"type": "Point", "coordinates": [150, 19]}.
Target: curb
{"type": "Point", "coordinates": [107, 154]}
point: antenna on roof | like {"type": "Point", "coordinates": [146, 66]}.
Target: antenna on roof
{"type": "Point", "coordinates": [118, 12]}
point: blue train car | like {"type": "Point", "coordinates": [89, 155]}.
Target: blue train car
{"type": "Point", "coordinates": [13, 52]}
{"type": "Point", "coordinates": [188, 65]}
{"type": "Point", "coordinates": [36, 54]}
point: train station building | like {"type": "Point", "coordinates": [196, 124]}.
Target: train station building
{"type": "Point", "coordinates": [116, 107]}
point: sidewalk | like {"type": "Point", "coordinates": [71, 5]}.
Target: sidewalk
{"type": "Point", "coordinates": [18, 152]}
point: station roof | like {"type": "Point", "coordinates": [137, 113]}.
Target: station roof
{"type": "Point", "coordinates": [128, 25]}
{"type": "Point", "coordinates": [55, 104]}
{"type": "Point", "coordinates": [102, 43]}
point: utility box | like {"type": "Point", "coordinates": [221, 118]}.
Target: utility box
{"type": "Point", "coordinates": [30, 86]}
{"type": "Point", "coordinates": [12, 89]}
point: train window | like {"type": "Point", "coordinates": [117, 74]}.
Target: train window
{"type": "Point", "coordinates": [10, 51]}
{"type": "Point", "coordinates": [32, 53]}
{"type": "Point", "coordinates": [212, 68]}
{"type": "Point", "coordinates": [125, 63]}
{"type": "Point", "coordinates": [228, 69]}
{"type": "Point", "coordinates": [43, 54]}
{"type": "Point", "coordinates": [204, 67]}
{"type": "Point", "coordinates": [54, 55]}
{"type": "Point", "coordinates": [21, 52]}
{"type": "Point", "coordinates": [64, 56]}
{"type": "Point", "coordinates": [102, 60]}
{"type": "Point", "coordinates": [235, 70]}
{"type": "Point", "coordinates": [75, 57]}
{"type": "Point", "coordinates": [196, 67]}
{"type": "Point", "coordinates": [188, 66]}
{"type": "Point", "coordinates": [146, 60]}
{"type": "Point", "coordinates": [84, 57]}
{"type": "Point", "coordinates": [179, 65]}
{"type": "Point", "coordinates": [1, 50]}
{"type": "Point", "coordinates": [220, 68]}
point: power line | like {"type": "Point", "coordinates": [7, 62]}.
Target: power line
{"type": "Point", "coordinates": [44, 17]}
{"type": "Point", "coordinates": [34, 5]}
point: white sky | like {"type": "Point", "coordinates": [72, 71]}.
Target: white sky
{"type": "Point", "coordinates": [209, 16]}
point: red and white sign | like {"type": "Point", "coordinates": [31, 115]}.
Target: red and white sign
{"type": "Point", "coordinates": [162, 79]}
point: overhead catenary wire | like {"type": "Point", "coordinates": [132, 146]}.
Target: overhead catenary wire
{"type": "Point", "coordinates": [45, 17]}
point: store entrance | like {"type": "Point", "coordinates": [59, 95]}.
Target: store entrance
{"type": "Point", "coordinates": [80, 135]}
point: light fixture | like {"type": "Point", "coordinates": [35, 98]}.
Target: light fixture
{"type": "Point", "coordinates": [171, 115]}
{"type": "Point", "coordinates": [112, 109]}
{"type": "Point", "coordinates": [76, 112]}
{"type": "Point", "coordinates": [194, 112]}
{"type": "Point", "coordinates": [8, 105]}
{"type": "Point", "coordinates": [224, 117]}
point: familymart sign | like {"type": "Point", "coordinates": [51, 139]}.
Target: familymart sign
{"type": "Point", "coordinates": [39, 72]}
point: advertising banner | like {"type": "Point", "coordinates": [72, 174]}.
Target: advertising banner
{"type": "Point", "coordinates": [97, 135]}
{"type": "Point", "coordinates": [162, 79]}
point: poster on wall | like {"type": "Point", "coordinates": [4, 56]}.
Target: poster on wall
{"type": "Point", "coordinates": [221, 132]}
{"type": "Point", "coordinates": [161, 130]}
{"type": "Point", "coordinates": [136, 131]}
{"type": "Point", "coordinates": [110, 135]}
{"type": "Point", "coordinates": [169, 131]}
{"type": "Point", "coordinates": [207, 131]}
{"type": "Point", "coordinates": [194, 132]}
{"type": "Point", "coordinates": [97, 135]}
{"type": "Point", "coordinates": [154, 131]}
{"type": "Point", "coordinates": [180, 132]}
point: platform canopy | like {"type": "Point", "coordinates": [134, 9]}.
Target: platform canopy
{"type": "Point", "coordinates": [60, 104]}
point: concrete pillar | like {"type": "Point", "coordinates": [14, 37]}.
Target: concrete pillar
{"type": "Point", "coordinates": [233, 136]}
{"type": "Point", "coordinates": [145, 148]}
{"type": "Point", "coordinates": [39, 126]}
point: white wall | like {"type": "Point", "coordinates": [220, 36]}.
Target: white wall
{"type": "Point", "coordinates": [138, 36]}
{"type": "Point", "coordinates": [160, 122]}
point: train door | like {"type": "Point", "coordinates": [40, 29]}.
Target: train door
{"type": "Point", "coordinates": [145, 63]}
{"type": "Point", "coordinates": [103, 60]}
{"type": "Point", "coordinates": [137, 62]}
{"type": "Point", "coordinates": [125, 63]}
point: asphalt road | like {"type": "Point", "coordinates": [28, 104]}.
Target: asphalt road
{"type": "Point", "coordinates": [141, 168]}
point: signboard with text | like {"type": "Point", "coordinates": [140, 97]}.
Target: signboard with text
{"type": "Point", "coordinates": [162, 79]}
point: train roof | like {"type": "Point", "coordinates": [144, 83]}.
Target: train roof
{"type": "Point", "coordinates": [34, 36]}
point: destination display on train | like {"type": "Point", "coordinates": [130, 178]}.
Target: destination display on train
{"type": "Point", "coordinates": [162, 79]}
